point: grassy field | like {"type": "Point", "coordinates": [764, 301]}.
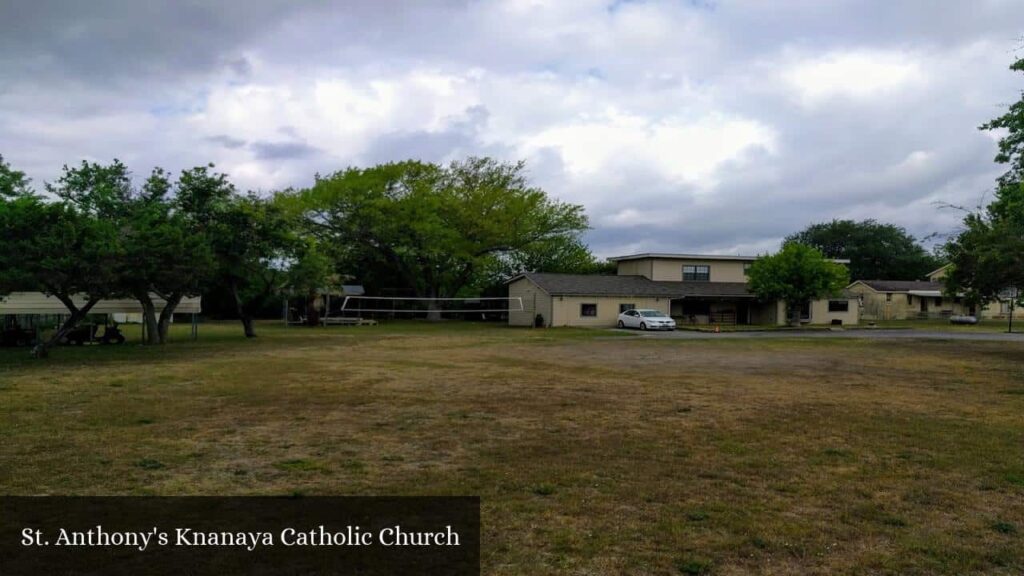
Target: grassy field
{"type": "Point", "coordinates": [594, 453]}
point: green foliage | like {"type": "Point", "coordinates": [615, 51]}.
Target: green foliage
{"type": "Point", "coordinates": [988, 255]}
{"type": "Point", "coordinates": [435, 230]}
{"type": "Point", "coordinates": [253, 241]}
{"type": "Point", "coordinates": [876, 251]}
{"type": "Point", "coordinates": [796, 274]}
{"type": "Point", "coordinates": [1011, 146]}
{"type": "Point", "coordinates": [13, 183]}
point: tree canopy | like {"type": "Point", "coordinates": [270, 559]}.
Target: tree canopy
{"type": "Point", "coordinates": [987, 256]}
{"type": "Point", "coordinates": [876, 251]}
{"type": "Point", "coordinates": [436, 230]}
{"type": "Point", "coordinates": [796, 274]}
{"type": "Point", "coordinates": [1011, 145]}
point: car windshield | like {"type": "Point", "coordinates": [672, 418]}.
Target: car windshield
{"type": "Point", "coordinates": [651, 314]}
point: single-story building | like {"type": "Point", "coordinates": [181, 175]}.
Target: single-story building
{"type": "Point", "coordinates": [907, 299]}
{"type": "Point", "coordinates": [922, 299]}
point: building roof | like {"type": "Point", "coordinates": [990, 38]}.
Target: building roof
{"type": "Point", "coordinates": [937, 270]}
{"type": "Point", "coordinates": [637, 286]}
{"type": "Point", "coordinates": [646, 255]}
{"type": "Point", "coordinates": [39, 303]}
{"type": "Point", "coordinates": [902, 285]}
{"type": "Point", "coordinates": [723, 257]}
{"type": "Point", "coordinates": [598, 285]}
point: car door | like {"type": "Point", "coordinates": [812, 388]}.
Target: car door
{"type": "Point", "coordinates": [632, 319]}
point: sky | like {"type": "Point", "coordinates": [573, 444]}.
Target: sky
{"type": "Point", "coordinates": [700, 126]}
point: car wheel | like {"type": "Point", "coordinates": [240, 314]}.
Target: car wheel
{"type": "Point", "coordinates": [643, 326]}
{"type": "Point", "coordinates": [621, 325]}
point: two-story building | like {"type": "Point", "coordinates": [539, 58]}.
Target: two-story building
{"type": "Point", "coordinates": [692, 288]}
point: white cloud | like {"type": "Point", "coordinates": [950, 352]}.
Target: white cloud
{"type": "Point", "coordinates": [859, 75]}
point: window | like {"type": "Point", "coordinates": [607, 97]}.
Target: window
{"type": "Point", "coordinates": [938, 302]}
{"type": "Point", "coordinates": [838, 305]}
{"type": "Point", "coordinates": [625, 307]}
{"type": "Point", "coordinates": [910, 299]}
{"type": "Point", "coordinates": [805, 312]}
{"type": "Point", "coordinates": [696, 273]}
{"type": "Point", "coordinates": [588, 309]}
{"type": "Point", "coordinates": [888, 296]}
{"type": "Point", "coordinates": [746, 268]}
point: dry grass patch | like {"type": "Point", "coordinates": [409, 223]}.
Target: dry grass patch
{"type": "Point", "coordinates": [591, 455]}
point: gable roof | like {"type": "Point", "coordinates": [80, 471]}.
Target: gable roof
{"type": "Point", "coordinates": [902, 285]}
{"type": "Point", "coordinates": [597, 285]}
{"type": "Point", "coordinates": [937, 270]}
{"type": "Point", "coordinates": [634, 286]}
{"type": "Point", "coordinates": [646, 255]}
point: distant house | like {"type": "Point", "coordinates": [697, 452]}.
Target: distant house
{"type": "Point", "coordinates": [920, 299]}
{"type": "Point", "coordinates": [694, 289]}
{"type": "Point", "coordinates": [906, 299]}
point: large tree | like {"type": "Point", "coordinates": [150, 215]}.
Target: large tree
{"type": "Point", "coordinates": [255, 246]}
{"type": "Point", "coordinates": [431, 230]}
{"type": "Point", "coordinates": [796, 274]}
{"type": "Point", "coordinates": [877, 251]}
{"type": "Point", "coordinates": [988, 255]}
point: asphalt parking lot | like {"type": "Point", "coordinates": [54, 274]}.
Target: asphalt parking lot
{"type": "Point", "coordinates": [859, 333]}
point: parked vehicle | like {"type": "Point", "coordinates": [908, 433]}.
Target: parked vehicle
{"type": "Point", "coordinates": [646, 320]}
{"type": "Point", "coordinates": [963, 320]}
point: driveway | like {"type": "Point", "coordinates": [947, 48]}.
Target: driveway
{"type": "Point", "coordinates": [860, 333]}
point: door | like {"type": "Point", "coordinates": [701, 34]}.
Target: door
{"type": "Point", "coordinates": [924, 304]}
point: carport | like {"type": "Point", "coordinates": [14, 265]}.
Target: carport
{"type": "Point", "coordinates": [34, 311]}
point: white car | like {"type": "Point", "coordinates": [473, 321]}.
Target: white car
{"type": "Point", "coordinates": [646, 320]}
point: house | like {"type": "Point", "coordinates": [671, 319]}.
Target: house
{"type": "Point", "coordinates": [906, 299]}
{"type": "Point", "coordinates": [921, 299]}
{"type": "Point", "coordinates": [693, 288]}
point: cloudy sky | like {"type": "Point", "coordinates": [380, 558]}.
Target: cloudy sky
{"type": "Point", "coordinates": [697, 126]}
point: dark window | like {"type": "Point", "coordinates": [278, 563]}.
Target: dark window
{"type": "Point", "coordinates": [805, 312]}
{"type": "Point", "coordinates": [696, 273]}
{"type": "Point", "coordinates": [938, 302]}
{"type": "Point", "coordinates": [624, 307]}
{"type": "Point", "coordinates": [888, 296]}
{"type": "Point", "coordinates": [910, 299]}
{"type": "Point", "coordinates": [838, 305]}
{"type": "Point", "coordinates": [588, 309]}
{"type": "Point", "coordinates": [746, 268]}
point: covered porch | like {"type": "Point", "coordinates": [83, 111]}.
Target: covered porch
{"type": "Point", "coordinates": [727, 311]}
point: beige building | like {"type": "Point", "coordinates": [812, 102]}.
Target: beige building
{"type": "Point", "coordinates": [920, 299]}
{"type": "Point", "coordinates": [693, 289]}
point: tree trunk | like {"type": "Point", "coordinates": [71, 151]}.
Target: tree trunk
{"type": "Point", "coordinates": [42, 348]}
{"type": "Point", "coordinates": [149, 320]}
{"type": "Point", "coordinates": [166, 315]}
{"type": "Point", "coordinates": [248, 326]}
{"type": "Point", "coordinates": [246, 318]}
{"type": "Point", "coordinates": [433, 312]}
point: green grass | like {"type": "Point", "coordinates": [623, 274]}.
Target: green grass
{"type": "Point", "coordinates": [593, 452]}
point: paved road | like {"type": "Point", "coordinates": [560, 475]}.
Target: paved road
{"type": "Point", "coordinates": [862, 333]}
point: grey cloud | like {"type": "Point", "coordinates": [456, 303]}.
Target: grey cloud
{"type": "Point", "coordinates": [282, 150]}
{"type": "Point", "coordinates": [226, 141]}
{"type": "Point", "coordinates": [74, 75]}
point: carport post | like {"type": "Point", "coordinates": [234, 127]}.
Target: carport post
{"type": "Point", "coordinates": [195, 327]}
